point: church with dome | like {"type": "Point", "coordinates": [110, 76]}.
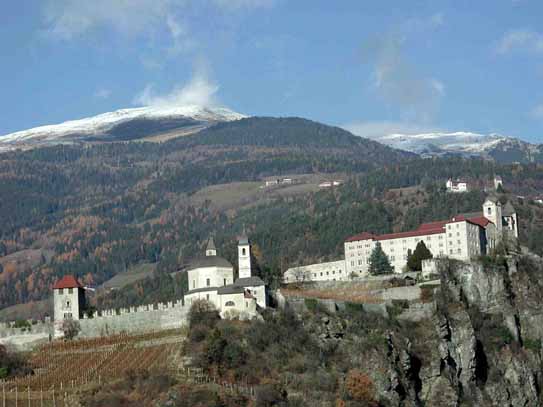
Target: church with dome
{"type": "Point", "coordinates": [211, 278]}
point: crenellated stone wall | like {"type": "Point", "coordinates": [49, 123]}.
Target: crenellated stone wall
{"type": "Point", "coordinates": [144, 318]}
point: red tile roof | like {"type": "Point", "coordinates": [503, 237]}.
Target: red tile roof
{"type": "Point", "coordinates": [431, 228]}
{"type": "Point", "coordinates": [433, 225]}
{"type": "Point", "coordinates": [412, 233]}
{"type": "Point", "coordinates": [479, 221]}
{"type": "Point", "coordinates": [67, 281]}
{"type": "Point", "coordinates": [360, 236]}
{"type": "Point", "coordinates": [418, 232]}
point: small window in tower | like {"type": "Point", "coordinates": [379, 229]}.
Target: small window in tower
{"type": "Point", "coordinates": [61, 291]}
{"type": "Point", "coordinates": [208, 282]}
{"type": "Point", "coordinates": [225, 281]}
{"type": "Point", "coordinates": [67, 304]}
{"type": "Point", "coordinates": [490, 211]}
{"type": "Point", "coordinates": [70, 290]}
{"type": "Point", "coordinates": [243, 251]}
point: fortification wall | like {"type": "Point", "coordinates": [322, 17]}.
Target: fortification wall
{"type": "Point", "coordinates": [37, 332]}
{"type": "Point", "coordinates": [145, 318]}
{"type": "Point", "coordinates": [409, 293]}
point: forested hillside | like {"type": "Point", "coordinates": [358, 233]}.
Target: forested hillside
{"type": "Point", "coordinates": [96, 211]}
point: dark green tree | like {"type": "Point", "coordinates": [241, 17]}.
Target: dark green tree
{"type": "Point", "coordinates": [214, 348]}
{"type": "Point", "coordinates": [414, 260]}
{"type": "Point", "coordinates": [379, 262]}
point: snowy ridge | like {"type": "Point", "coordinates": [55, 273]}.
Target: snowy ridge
{"type": "Point", "coordinates": [492, 146]}
{"type": "Point", "coordinates": [457, 142]}
{"type": "Point", "coordinates": [101, 124]}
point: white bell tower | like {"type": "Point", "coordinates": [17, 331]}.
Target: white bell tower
{"type": "Point", "coordinates": [492, 209]}
{"type": "Point", "coordinates": [244, 257]}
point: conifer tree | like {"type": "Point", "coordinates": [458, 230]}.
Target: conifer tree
{"type": "Point", "coordinates": [379, 262]}
{"type": "Point", "coordinates": [414, 260]}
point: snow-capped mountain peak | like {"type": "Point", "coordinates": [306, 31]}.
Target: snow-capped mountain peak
{"type": "Point", "coordinates": [142, 122]}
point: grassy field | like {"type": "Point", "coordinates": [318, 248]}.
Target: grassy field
{"type": "Point", "coordinates": [357, 293]}
{"type": "Point", "coordinates": [133, 274]}
{"type": "Point", "coordinates": [246, 194]}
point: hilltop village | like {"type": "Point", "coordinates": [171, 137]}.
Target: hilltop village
{"type": "Point", "coordinates": [241, 294]}
{"type": "Point", "coordinates": [383, 302]}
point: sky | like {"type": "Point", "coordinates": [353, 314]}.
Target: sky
{"type": "Point", "coordinates": [372, 66]}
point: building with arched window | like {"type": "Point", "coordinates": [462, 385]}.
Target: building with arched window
{"type": "Point", "coordinates": [211, 278]}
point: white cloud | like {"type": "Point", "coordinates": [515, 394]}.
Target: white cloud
{"type": "Point", "coordinates": [520, 39]}
{"type": "Point", "coordinates": [537, 112]}
{"type": "Point", "coordinates": [200, 90]}
{"type": "Point", "coordinates": [438, 86]}
{"type": "Point", "coordinates": [102, 93]}
{"type": "Point", "coordinates": [180, 33]}
{"type": "Point", "coordinates": [378, 129]}
{"type": "Point", "coordinates": [419, 24]}
{"type": "Point", "coordinates": [400, 83]}
{"type": "Point", "coordinates": [69, 19]}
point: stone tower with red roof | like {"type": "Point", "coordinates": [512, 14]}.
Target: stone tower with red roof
{"type": "Point", "coordinates": [69, 300]}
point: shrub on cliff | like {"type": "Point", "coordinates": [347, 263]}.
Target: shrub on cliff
{"type": "Point", "coordinates": [360, 388]}
{"type": "Point", "coordinates": [203, 313]}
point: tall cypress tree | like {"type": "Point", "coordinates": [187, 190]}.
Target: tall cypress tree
{"type": "Point", "coordinates": [379, 262]}
{"type": "Point", "coordinates": [414, 260]}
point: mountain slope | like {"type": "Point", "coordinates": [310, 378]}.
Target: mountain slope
{"type": "Point", "coordinates": [291, 132]}
{"type": "Point", "coordinates": [122, 125]}
{"type": "Point", "coordinates": [99, 209]}
{"type": "Point", "coordinates": [500, 148]}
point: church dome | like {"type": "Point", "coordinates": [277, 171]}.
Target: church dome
{"type": "Point", "coordinates": [209, 261]}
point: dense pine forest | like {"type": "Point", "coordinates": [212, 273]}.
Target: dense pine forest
{"type": "Point", "coordinates": [99, 210]}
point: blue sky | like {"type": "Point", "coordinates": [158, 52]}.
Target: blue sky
{"type": "Point", "coordinates": [372, 66]}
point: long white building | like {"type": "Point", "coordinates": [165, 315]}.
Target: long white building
{"type": "Point", "coordinates": [330, 271]}
{"type": "Point", "coordinates": [463, 237]}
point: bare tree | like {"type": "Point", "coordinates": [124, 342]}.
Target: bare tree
{"type": "Point", "coordinates": [70, 328]}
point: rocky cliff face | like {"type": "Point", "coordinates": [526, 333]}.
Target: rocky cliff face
{"type": "Point", "coordinates": [481, 346]}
